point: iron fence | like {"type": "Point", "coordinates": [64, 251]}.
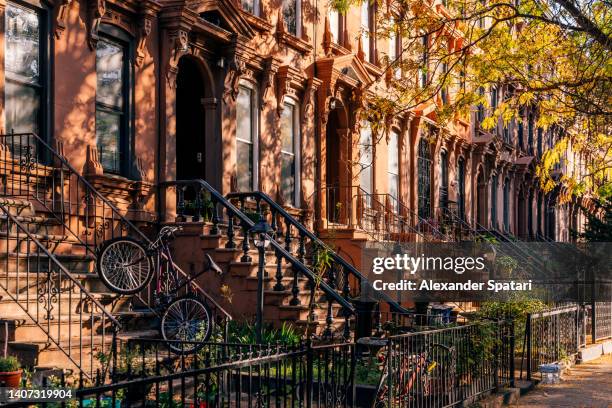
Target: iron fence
{"type": "Point", "coordinates": [599, 321]}
{"type": "Point", "coordinates": [551, 336]}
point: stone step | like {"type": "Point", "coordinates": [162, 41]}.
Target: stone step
{"type": "Point", "coordinates": [60, 304]}
{"type": "Point", "coordinates": [17, 206]}
{"type": "Point", "coordinates": [14, 282]}
{"type": "Point", "coordinates": [14, 261]}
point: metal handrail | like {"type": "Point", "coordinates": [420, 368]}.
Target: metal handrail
{"type": "Point", "coordinates": [88, 296]}
{"type": "Point", "coordinates": [307, 233]}
{"type": "Point", "coordinates": [246, 221]}
{"type": "Point", "coordinates": [115, 211]}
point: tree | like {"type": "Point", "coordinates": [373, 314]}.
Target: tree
{"type": "Point", "coordinates": [549, 57]}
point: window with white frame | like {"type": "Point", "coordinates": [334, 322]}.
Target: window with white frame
{"type": "Point", "coordinates": [365, 158]}
{"type": "Point", "coordinates": [24, 49]}
{"type": "Point", "coordinates": [113, 72]}
{"type": "Point", "coordinates": [393, 167]}
{"type": "Point", "coordinates": [247, 137]}
{"type": "Point", "coordinates": [394, 48]}
{"type": "Point", "coordinates": [251, 6]}
{"type": "Point", "coordinates": [292, 15]}
{"type": "Point", "coordinates": [290, 152]}
{"type": "Point", "coordinates": [366, 36]}
{"type": "Point", "coordinates": [334, 25]}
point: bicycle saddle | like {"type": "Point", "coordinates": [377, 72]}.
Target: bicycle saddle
{"type": "Point", "coordinates": [213, 266]}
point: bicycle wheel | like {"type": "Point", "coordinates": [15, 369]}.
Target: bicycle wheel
{"type": "Point", "coordinates": [124, 266]}
{"type": "Point", "coordinates": [186, 319]}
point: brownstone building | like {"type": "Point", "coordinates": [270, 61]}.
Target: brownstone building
{"type": "Point", "coordinates": [260, 95]}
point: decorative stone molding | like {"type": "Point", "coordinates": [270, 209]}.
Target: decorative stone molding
{"type": "Point", "coordinates": [61, 10]}
{"type": "Point", "coordinates": [327, 38]}
{"type": "Point", "coordinates": [145, 24]}
{"type": "Point", "coordinates": [284, 38]}
{"type": "Point", "coordinates": [284, 78]}
{"type": "Point", "coordinates": [179, 45]}
{"type": "Point", "coordinates": [308, 100]}
{"type": "Point", "coordinates": [235, 69]}
{"type": "Point", "coordinates": [92, 163]}
{"type": "Point", "coordinates": [271, 66]}
{"type": "Point", "coordinates": [358, 104]}
{"type": "Point", "coordinates": [95, 11]}
{"type": "Point", "coordinates": [360, 52]}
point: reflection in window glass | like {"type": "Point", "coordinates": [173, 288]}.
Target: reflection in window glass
{"type": "Point", "coordinates": [110, 103]}
{"type": "Point", "coordinates": [365, 158]}
{"type": "Point", "coordinates": [393, 167]}
{"type": "Point", "coordinates": [245, 139]}
{"type": "Point", "coordinates": [334, 25]}
{"type": "Point", "coordinates": [365, 29]}
{"type": "Point", "coordinates": [22, 69]}
{"type": "Point", "coordinates": [289, 153]}
{"type": "Point", "coordinates": [291, 15]}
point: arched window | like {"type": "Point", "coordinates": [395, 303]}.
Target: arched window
{"type": "Point", "coordinates": [461, 188]}
{"type": "Point", "coordinates": [494, 201]}
{"type": "Point", "coordinates": [247, 137]}
{"type": "Point", "coordinates": [443, 179]}
{"type": "Point", "coordinates": [114, 73]}
{"type": "Point", "coordinates": [26, 70]}
{"type": "Point", "coordinates": [507, 205]}
{"type": "Point", "coordinates": [290, 152]}
{"type": "Point", "coordinates": [424, 179]}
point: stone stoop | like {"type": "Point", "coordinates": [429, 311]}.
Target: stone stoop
{"type": "Point", "coordinates": [241, 277]}
{"type": "Point", "coordinates": [594, 351]}
{"type": "Point", "coordinates": [24, 338]}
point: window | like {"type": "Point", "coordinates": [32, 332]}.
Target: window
{"type": "Point", "coordinates": [424, 179]}
{"type": "Point", "coordinates": [393, 167]}
{"type": "Point", "coordinates": [290, 153]}
{"type": "Point", "coordinates": [521, 142]}
{"type": "Point", "coordinates": [494, 201]}
{"type": "Point", "coordinates": [25, 43]}
{"type": "Point", "coordinates": [292, 14]}
{"type": "Point", "coordinates": [393, 53]}
{"type": "Point", "coordinates": [480, 110]}
{"type": "Point", "coordinates": [334, 25]}
{"type": "Point", "coordinates": [366, 30]}
{"type": "Point", "coordinates": [493, 99]}
{"type": "Point", "coordinates": [507, 205]}
{"type": "Point", "coordinates": [251, 6]}
{"type": "Point", "coordinates": [540, 136]}
{"type": "Point", "coordinates": [112, 110]}
{"type": "Point", "coordinates": [246, 138]}
{"type": "Point", "coordinates": [530, 135]}
{"type": "Point", "coordinates": [365, 159]}
{"type": "Point", "coordinates": [424, 60]}
{"type": "Point", "coordinates": [444, 90]}
{"type": "Point", "coordinates": [461, 188]}
{"type": "Point", "coordinates": [443, 179]}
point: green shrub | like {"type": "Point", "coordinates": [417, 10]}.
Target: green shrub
{"type": "Point", "coordinates": [9, 364]}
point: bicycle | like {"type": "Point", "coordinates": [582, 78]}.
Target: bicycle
{"type": "Point", "coordinates": [413, 375]}
{"type": "Point", "coordinates": [126, 267]}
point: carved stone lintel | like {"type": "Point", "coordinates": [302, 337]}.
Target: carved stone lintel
{"type": "Point", "coordinates": [95, 11]}
{"type": "Point", "coordinates": [267, 83]}
{"type": "Point", "coordinates": [62, 8]}
{"type": "Point", "coordinates": [179, 44]}
{"type": "Point", "coordinates": [235, 69]}
{"type": "Point", "coordinates": [144, 29]}
{"type": "Point", "coordinates": [92, 163]}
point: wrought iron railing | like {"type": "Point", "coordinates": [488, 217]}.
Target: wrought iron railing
{"type": "Point", "coordinates": [551, 336]}
{"type": "Point", "coordinates": [53, 298]}
{"type": "Point", "coordinates": [36, 171]}
{"type": "Point", "coordinates": [340, 272]}
{"type": "Point", "coordinates": [236, 225]}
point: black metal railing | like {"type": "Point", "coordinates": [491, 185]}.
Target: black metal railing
{"type": "Point", "coordinates": [599, 321]}
{"type": "Point", "coordinates": [70, 316]}
{"type": "Point", "coordinates": [271, 376]}
{"type": "Point", "coordinates": [551, 336]}
{"type": "Point", "coordinates": [33, 170]}
{"type": "Point", "coordinates": [226, 218]}
{"type": "Point", "coordinates": [443, 367]}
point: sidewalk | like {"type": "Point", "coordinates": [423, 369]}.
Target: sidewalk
{"type": "Point", "coordinates": [587, 385]}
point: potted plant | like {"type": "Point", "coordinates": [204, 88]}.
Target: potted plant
{"type": "Point", "coordinates": [10, 372]}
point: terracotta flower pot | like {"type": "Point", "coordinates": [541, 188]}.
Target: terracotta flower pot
{"type": "Point", "coordinates": [11, 379]}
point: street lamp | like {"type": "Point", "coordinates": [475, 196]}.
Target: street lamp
{"type": "Point", "coordinates": [262, 236]}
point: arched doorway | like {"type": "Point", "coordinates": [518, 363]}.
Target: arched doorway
{"type": "Point", "coordinates": [190, 121]}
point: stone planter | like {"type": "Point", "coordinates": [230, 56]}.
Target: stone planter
{"type": "Point", "coordinates": [11, 379]}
